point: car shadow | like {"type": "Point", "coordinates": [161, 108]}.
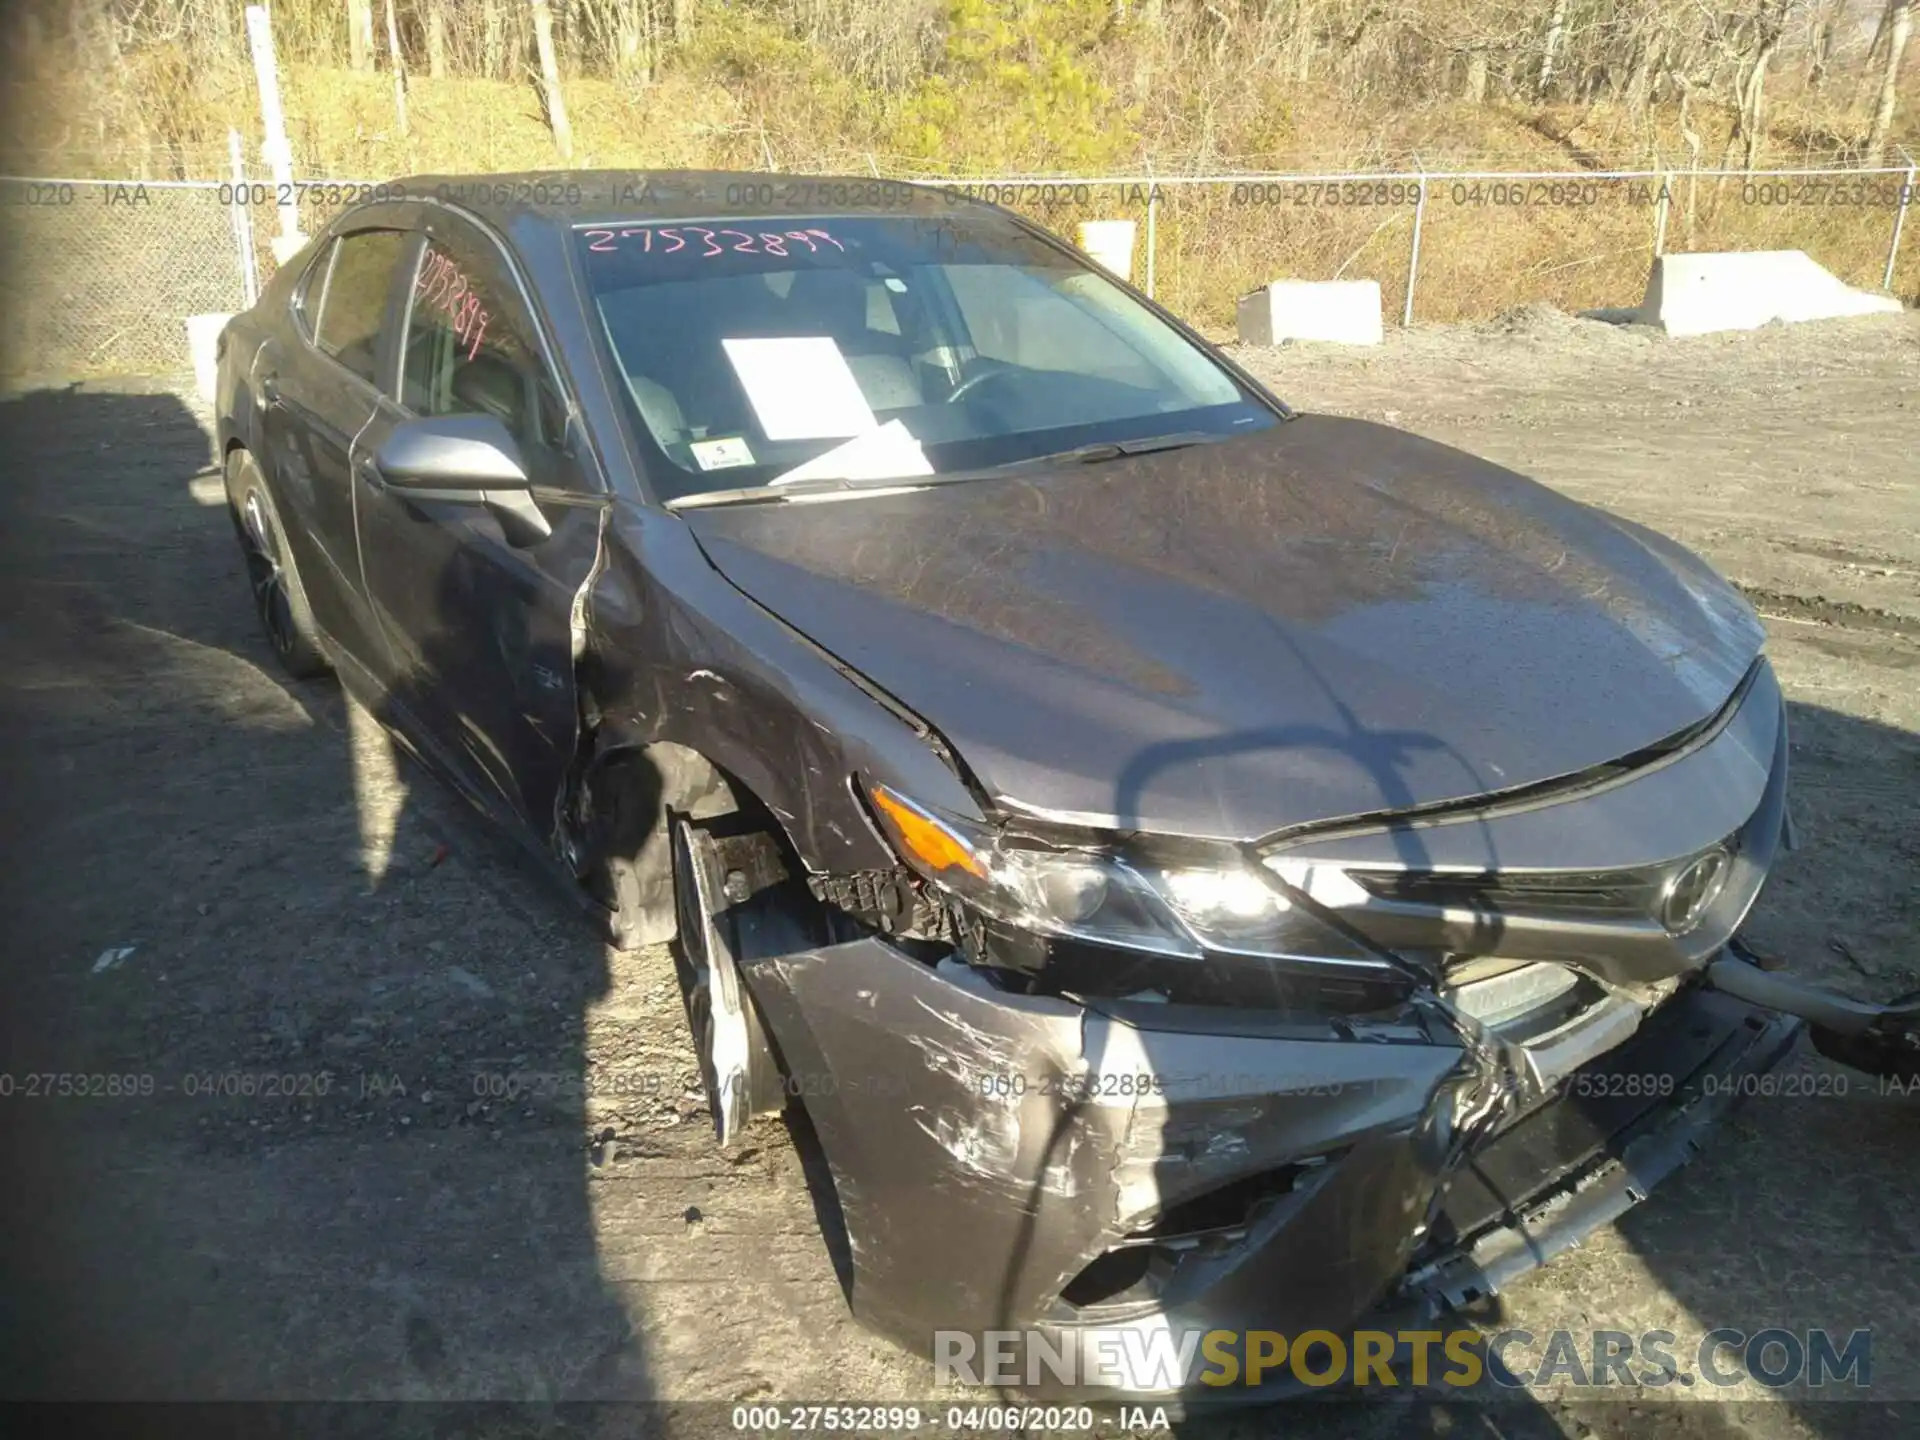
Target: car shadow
{"type": "Point", "coordinates": [336, 1141]}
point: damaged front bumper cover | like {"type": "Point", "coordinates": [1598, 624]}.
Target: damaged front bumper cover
{"type": "Point", "coordinates": [1027, 1163]}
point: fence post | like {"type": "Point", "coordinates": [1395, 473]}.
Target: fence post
{"type": "Point", "coordinates": [1661, 206]}
{"type": "Point", "coordinates": [275, 147]}
{"type": "Point", "coordinates": [1413, 258]}
{"type": "Point", "coordinates": [1153, 215]}
{"type": "Point", "coordinates": [1899, 224]}
{"type": "Point", "coordinates": [242, 226]}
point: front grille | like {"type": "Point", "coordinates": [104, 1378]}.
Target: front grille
{"type": "Point", "coordinates": [1608, 894]}
{"type": "Point", "coordinates": [1595, 895]}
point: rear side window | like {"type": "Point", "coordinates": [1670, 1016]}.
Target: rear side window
{"type": "Point", "coordinates": [355, 303]}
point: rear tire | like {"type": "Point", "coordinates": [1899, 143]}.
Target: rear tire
{"type": "Point", "coordinates": [278, 596]}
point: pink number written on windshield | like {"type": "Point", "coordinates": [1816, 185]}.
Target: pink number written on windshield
{"type": "Point", "coordinates": [704, 244]}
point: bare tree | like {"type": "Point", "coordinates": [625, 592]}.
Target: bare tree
{"type": "Point", "coordinates": [1899, 25]}
{"type": "Point", "coordinates": [1556, 32]}
{"type": "Point", "coordinates": [633, 45]}
{"type": "Point", "coordinates": [1820, 43]}
{"type": "Point", "coordinates": [436, 39]}
{"type": "Point", "coordinates": [1771, 27]}
{"type": "Point", "coordinates": [1476, 90]}
{"type": "Point", "coordinates": [494, 25]}
{"type": "Point", "coordinates": [399, 71]}
{"type": "Point", "coordinates": [1753, 40]}
{"type": "Point", "coordinates": [616, 33]}
{"type": "Point", "coordinates": [360, 34]}
{"type": "Point", "coordinates": [550, 79]}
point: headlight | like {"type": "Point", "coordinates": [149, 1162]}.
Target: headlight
{"type": "Point", "coordinates": [1095, 895]}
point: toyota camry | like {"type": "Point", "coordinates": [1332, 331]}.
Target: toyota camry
{"type": "Point", "coordinates": [1199, 864]}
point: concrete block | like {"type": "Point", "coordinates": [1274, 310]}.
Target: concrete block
{"type": "Point", "coordinates": [1110, 243]}
{"type": "Point", "coordinates": [203, 339]}
{"type": "Point", "coordinates": [1345, 312]}
{"type": "Point", "coordinates": [1698, 294]}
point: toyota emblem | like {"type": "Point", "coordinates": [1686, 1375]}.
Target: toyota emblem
{"type": "Point", "coordinates": [1688, 896]}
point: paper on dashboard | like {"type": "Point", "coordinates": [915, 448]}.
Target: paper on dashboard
{"type": "Point", "coordinates": [800, 387]}
{"type": "Point", "coordinates": [888, 453]}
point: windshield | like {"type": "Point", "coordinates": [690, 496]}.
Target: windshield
{"type": "Point", "coordinates": [874, 348]}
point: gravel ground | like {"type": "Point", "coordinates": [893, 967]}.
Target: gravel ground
{"type": "Point", "coordinates": [220, 886]}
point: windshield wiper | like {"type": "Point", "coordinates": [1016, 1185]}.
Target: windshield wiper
{"type": "Point", "coordinates": [1101, 450]}
{"type": "Point", "coordinates": [824, 485]}
{"type": "Point", "coordinates": [1091, 454]}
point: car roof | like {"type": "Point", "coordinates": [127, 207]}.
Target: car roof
{"type": "Point", "coordinates": [575, 197]}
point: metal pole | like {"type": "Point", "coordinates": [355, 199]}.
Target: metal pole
{"type": "Point", "coordinates": [242, 227]}
{"type": "Point", "coordinates": [1153, 214]}
{"type": "Point", "coordinates": [275, 147]}
{"type": "Point", "coordinates": [1413, 259]}
{"type": "Point", "coordinates": [1899, 224]}
{"type": "Point", "coordinates": [1660, 215]}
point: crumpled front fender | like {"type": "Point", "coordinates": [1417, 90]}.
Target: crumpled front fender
{"type": "Point", "coordinates": [987, 1147]}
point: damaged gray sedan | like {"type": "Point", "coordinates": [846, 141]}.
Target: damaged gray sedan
{"type": "Point", "coordinates": [1198, 865]}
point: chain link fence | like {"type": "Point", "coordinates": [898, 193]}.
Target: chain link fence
{"type": "Point", "coordinates": [100, 276]}
{"type": "Point", "coordinates": [1469, 245]}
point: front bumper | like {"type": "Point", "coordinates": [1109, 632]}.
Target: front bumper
{"type": "Point", "coordinates": [988, 1148]}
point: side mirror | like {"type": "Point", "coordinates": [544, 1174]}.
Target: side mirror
{"type": "Point", "coordinates": [464, 459]}
{"type": "Point", "coordinates": [451, 452]}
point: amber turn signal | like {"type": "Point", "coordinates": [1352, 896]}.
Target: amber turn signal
{"type": "Point", "coordinates": [924, 838]}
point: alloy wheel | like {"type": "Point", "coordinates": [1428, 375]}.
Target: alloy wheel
{"type": "Point", "coordinates": [266, 575]}
{"type": "Point", "coordinates": [710, 984]}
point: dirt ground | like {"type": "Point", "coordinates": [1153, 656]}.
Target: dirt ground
{"type": "Point", "coordinates": [220, 887]}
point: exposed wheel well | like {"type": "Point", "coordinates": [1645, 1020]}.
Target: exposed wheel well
{"type": "Point", "coordinates": [623, 801]}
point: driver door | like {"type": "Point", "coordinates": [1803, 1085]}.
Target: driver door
{"type": "Point", "coordinates": [478, 622]}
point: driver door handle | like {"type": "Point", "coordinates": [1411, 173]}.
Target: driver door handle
{"type": "Point", "coordinates": [270, 388]}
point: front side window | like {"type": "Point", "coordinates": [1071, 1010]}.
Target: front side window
{"type": "Point", "coordinates": [355, 303]}
{"type": "Point", "coordinates": [757, 351]}
{"type": "Point", "coordinates": [469, 350]}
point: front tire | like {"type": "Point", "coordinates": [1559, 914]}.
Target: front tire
{"type": "Point", "coordinates": [278, 596]}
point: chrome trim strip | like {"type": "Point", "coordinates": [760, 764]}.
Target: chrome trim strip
{"type": "Point", "coordinates": [1654, 816]}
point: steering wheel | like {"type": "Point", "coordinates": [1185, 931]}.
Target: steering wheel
{"type": "Point", "coordinates": [985, 370]}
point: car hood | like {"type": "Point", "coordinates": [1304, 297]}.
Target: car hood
{"type": "Point", "coordinates": [1327, 619]}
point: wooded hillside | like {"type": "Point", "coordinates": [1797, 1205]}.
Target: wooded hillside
{"type": "Point", "coordinates": [378, 87]}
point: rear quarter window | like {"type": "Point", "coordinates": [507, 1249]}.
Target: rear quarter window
{"type": "Point", "coordinates": [310, 289]}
